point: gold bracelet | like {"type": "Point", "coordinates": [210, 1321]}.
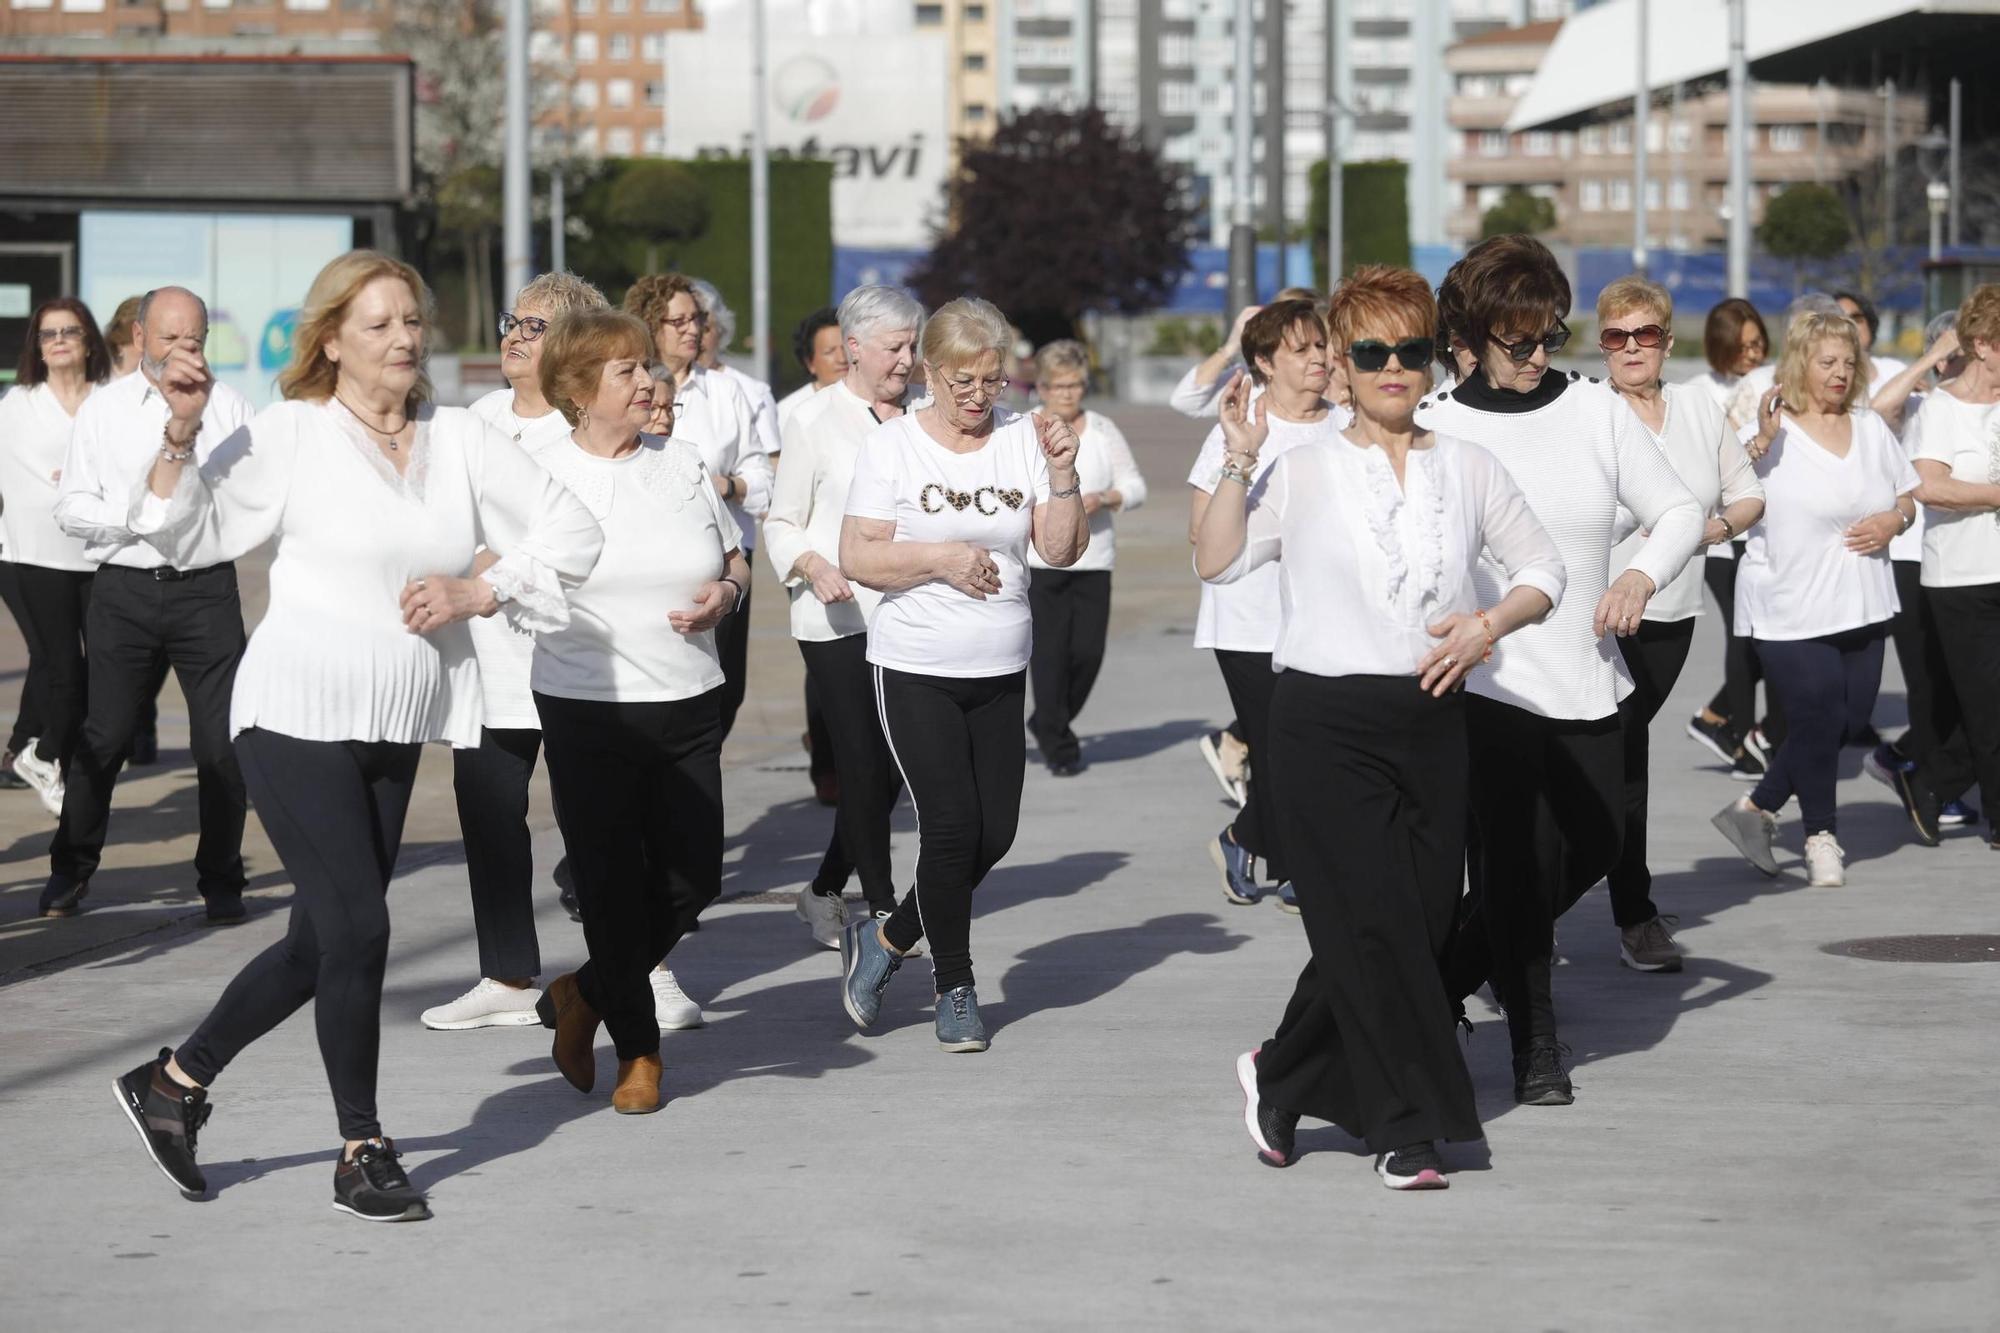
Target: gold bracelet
{"type": "Point", "coordinates": [1491, 638]}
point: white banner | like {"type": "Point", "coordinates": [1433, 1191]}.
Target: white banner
{"type": "Point", "coordinates": [872, 105]}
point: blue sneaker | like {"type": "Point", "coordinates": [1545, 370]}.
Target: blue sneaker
{"type": "Point", "coordinates": [1883, 763]}
{"type": "Point", "coordinates": [1288, 898]}
{"type": "Point", "coordinates": [865, 967]}
{"type": "Point", "coordinates": [1957, 814]}
{"type": "Point", "coordinates": [958, 1024]}
{"type": "Point", "coordinates": [1238, 867]}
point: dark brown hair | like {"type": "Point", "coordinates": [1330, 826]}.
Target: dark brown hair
{"type": "Point", "coordinates": [1506, 284]}
{"type": "Point", "coordinates": [1722, 336]}
{"type": "Point", "coordinates": [96, 356]}
{"type": "Point", "coordinates": [1268, 328]}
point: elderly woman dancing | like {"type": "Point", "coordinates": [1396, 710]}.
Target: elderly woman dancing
{"type": "Point", "coordinates": [1376, 534]}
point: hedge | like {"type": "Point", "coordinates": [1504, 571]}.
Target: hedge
{"type": "Point", "coordinates": [1374, 216]}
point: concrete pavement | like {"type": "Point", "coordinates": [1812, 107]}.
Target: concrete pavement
{"type": "Point", "coordinates": [1777, 1137]}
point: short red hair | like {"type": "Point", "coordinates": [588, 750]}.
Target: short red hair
{"type": "Point", "coordinates": [1380, 301]}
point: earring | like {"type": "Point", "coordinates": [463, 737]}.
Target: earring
{"type": "Point", "coordinates": [583, 419]}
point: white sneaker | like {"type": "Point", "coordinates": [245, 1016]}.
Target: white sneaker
{"type": "Point", "coordinates": [671, 1006]}
{"type": "Point", "coordinates": [487, 1005]}
{"type": "Point", "coordinates": [1826, 864]}
{"type": "Point", "coordinates": [45, 777]}
{"type": "Point", "coordinates": [825, 914]}
{"type": "Point", "coordinates": [1750, 830]}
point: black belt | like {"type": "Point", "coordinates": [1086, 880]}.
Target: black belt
{"type": "Point", "coordinates": [167, 573]}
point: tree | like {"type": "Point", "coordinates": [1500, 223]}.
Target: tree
{"type": "Point", "coordinates": [1059, 213]}
{"type": "Point", "coordinates": [658, 204]}
{"type": "Point", "coordinates": [1805, 222]}
{"type": "Point", "coordinates": [1518, 213]}
{"type": "Point", "coordinates": [467, 204]}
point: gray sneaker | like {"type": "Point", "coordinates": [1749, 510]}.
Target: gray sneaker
{"type": "Point", "coordinates": [865, 966]}
{"type": "Point", "coordinates": [958, 1024]}
{"type": "Point", "coordinates": [825, 915]}
{"type": "Point", "coordinates": [1648, 947]}
{"type": "Point", "coordinates": [1750, 830]}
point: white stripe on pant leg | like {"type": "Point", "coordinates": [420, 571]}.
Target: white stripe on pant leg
{"type": "Point", "coordinates": [916, 881]}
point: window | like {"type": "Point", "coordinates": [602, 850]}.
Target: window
{"type": "Point", "coordinates": [1590, 196]}
{"type": "Point", "coordinates": [975, 60]}
{"type": "Point", "coordinates": [975, 13]}
{"type": "Point", "coordinates": [662, 7]}
{"type": "Point", "coordinates": [930, 16]}
{"type": "Point", "coordinates": [1677, 194]}
{"type": "Point", "coordinates": [975, 113]}
{"type": "Point", "coordinates": [620, 6]}
{"type": "Point", "coordinates": [1177, 98]}
{"type": "Point", "coordinates": [1592, 139]}
{"type": "Point", "coordinates": [653, 46]}
{"type": "Point", "coordinates": [586, 140]}
{"type": "Point", "coordinates": [1177, 49]}
{"type": "Point", "coordinates": [583, 95]}
{"type": "Point", "coordinates": [1680, 137]}
{"type": "Point", "coordinates": [1492, 143]}
{"type": "Point", "coordinates": [621, 47]}
{"type": "Point", "coordinates": [583, 48]}
{"type": "Point", "coordinates": [618, 92]}
{"type": "Point", "coordinates": [1784, 138]}
{"type": "Point", "coordinates": [656, 143]}
{"type": "Point", "coordinates": [1653, 195]}
{"type": "Point", "coordinates": [1621, 195]}
{"type": "Point", "coordinates": [1538, 143]}
{"type": "Point", "coordinates": [656, 93]}
{"type": "Point", "coordinates": [1621, 137]}
{"type": "Point", "coordinates": [618, 142]}
{"type": "Point", "coordinates": [586, 6]}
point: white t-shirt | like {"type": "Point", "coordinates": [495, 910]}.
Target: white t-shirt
{"type": "Point", "coordinates": [1244, 616]}
{"type": "Point", "coordinates": [505, 650]}
{"type": "Point", "coordinates": [34, 440]}
{"type": "Point", "coordinates": [1365, 566]}
{"type": "Point", "coordinates": [789, 405]}
{"type": "Point", "coordinates": [1103, 463]}
{"type": "Point", "coordinates": [986, 497]}
{"type": "Point", "coordinates": [1909, 543]}
{"type": "Point", "coordinates": [717, 418]}
{"type": "Point", "coordinates": [808, 502]}
{"type": "Point", "coordinates": [1961, 548]}
{"type": "Point", "coordinates": [1711, 463]}
{"type": "Point", "coordinates": [1797, 579]}
{"type": "Point", "coordinates": [666, 533]}
{"type": "Point", "coordinates": [1886, 369]}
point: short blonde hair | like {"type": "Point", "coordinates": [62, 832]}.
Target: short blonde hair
{"type": "Point", "coordinates": [962, 331]}
{"type": "Point", "coordinates": [1062, 354]}
{"type": "Point", "coordinates": [575, 350]}
{"type": "Point", "coordinates": [311, 375]}
{"type": "Point", "coordinates": [118, 334]}
{"type": "Point", "coordinates": [1802, 342]}
{"type": "Point", "coordinates": [1633, 292]}
{"type": "Point", "coordinates": [1979, 316]}
{"type": "Point", "coordinates": [560, 293]}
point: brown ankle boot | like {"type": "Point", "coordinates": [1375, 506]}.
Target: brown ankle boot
{"type": "Point", "coordinates": [638, 1090]}
{"type": "Point", "coordinates": [575, 1022]}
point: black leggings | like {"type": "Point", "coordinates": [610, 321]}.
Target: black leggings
{"type": "Point", "coordinates": [1968, 623]}
{"type": "Point", "coordinates": [840, 675]}
{"type": "Point", "coordinates": [491, 787]}
{"type": "Point", "coordinates": [334, 812]}
{"type": "Point", "coordinates": [961, 750]}
{"type": "Point", "coordinates": [1654, 656]}
{"type": "Point", "coordinates": [1936, 737]}
{"type": "Point", "coordinates": [639, 797]}
{"type": "Point", "coordinates": [732, 647]}
{"type": "Point", "coordinates": [28, 717]}
{"type": "Point", "coordinates": [54, 604]}
{"type": "Point", "coordinates": [1072, 615]}
{"type": "Point", "coordinates": [1829, 686]}
{"type": "Point", "coordinates": [1250, 681]}
{"type": "Point", "coordinates": [1367, 775]}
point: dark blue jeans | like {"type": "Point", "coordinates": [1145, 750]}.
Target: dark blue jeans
{"type": "Point", "coordinates": [1828, 686]}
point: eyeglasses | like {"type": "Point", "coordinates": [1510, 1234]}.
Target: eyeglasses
{"type": "Point", "coordinates": [1646, 335]}
{"type": "Point", "coordinates": [696, 318]}
{"type": "Point", "coordinates": [1372, 354]}
{"type": "Point", "coordinates": [1525, 349]}
{"type": "Point", "coordinates": [531, 326]}
{"type": "Point", "coordinates": [965, 388]}
{"type": "Point", "coordinates": [1062, 386]}
{"type": "Point", "coordinates": [67, 333]}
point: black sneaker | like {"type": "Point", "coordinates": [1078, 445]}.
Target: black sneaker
{"type": "Point", "coordinates": [566, 890]}
{"type": "Point", "coordinates": [1919, 803]}
{"type": "Point", "coordinates": [9, 779]}
{"type": "Point", "coordinates": [224, 909]}
{"type": "Point", "coordinates": [1539, 1076]}
{"type": "Point", "coordinates": [372, 1187]}
{"type": "Point", "coordinates": [1748, 767]}
{"type": "Point", "coordinates": [1716, 737]}
{"type": "Point", "coordinates": [1416, 1166]}
{"type": "Point", "coordinates": [167, 1116]}
{"type": "Point", "coordinates": [1273, 1131]}
{"type": "Point", "coordinates": [61, 897]}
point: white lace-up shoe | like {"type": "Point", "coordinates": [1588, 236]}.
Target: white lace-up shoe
{"type": "Point", "coordinates": [671, 1005]}
{"type": "Point", "coordinates": [44, 775]}
{"type": "Point", "coordinates": [487, 1005]}
{"type": "Point", "coordinates": [1826, 863]}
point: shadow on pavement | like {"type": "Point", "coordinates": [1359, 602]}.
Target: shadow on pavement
{"type": "Point", "coordinates": [1113, 747]}
{"type": "Point", "coordinates": [1077, 969]}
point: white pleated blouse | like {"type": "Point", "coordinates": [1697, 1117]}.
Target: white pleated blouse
{"type": "Point", "coordinates": [331, 660]}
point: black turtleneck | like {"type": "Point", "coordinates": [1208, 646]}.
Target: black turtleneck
{"type": "Point", "coordinates": [1481, 396]}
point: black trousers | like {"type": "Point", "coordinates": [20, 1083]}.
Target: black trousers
{"type": "Point", "coordinates": [732, 646]}
{"type": "Point", "coordinates": [639, 798]}
{"type": "Point", "coordinates": [819, 743]}
{"type": "Point", "coordinates": [1072, 617]}
{"type": "Point", "coordinates": [838, 671]}
{"type": "Point", "coordinates": [334, 811]}
{"type": "Point", "coordinates": [961, 750]}
{"type": "Point", "coordinates": [195, 624]}
{"type": "Point", "coordinates": [1654, 656]}
{"type": "Point", "coordinates": [1367, 777]}
{"type": "Point", "coordinates": [28, 714]}
{"type": "Point", "coordinates": [1548, 817]}
{"type": "Point", "coordinates": [1250, 680]}
{"type": "Point", "coordinates": [1829, 686]}
{"type": "Point", "coordinates": [491, 787]}
{"type": "Point", "coordinates": [54, 605]}
{"type": "Point", "coordinates": [1968, 626]}
{"type": "Point", "coordinates": [1927, 693]}
{"type": "Point", "coordinates": [1736, 700]}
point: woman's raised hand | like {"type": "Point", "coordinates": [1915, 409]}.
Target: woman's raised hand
{"type": "Point", "coordinates": [1245, 425]}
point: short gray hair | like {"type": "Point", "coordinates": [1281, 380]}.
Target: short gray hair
{"type": "Point", "coordinates": [876, 308]}
{"type": "Point", "coordinates": [1811, 303]}
{"type": "Point", "coordinates": [719, 313]}
{"type": "Point", "coordinates": [146, 303]}
{"type": "Point", "coordinates": [1062, 354]}
{"type": "Point", "coordinates": [1937, 327]}
{"type": "Point", "coordinates": [962, 331]}
{"type": "Point", "coordinates": [560, 293]}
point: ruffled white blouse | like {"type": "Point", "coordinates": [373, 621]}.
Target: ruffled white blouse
{"type": "Point", "coordinates": [331, 660]}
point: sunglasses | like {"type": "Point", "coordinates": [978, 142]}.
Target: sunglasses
{"type": "Point", "coordinates": [1372, 354]}
{"type": "Point", "coordinates": [67, 333]}
{"type": "Point", "coordinates": [1646, 335]}
{"type": "Point", "coordinates": [531, 327]}
{"type": "Point", "coordinates": [1521, 351]}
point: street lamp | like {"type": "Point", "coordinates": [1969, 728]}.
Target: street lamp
{"type": "Point", "coordinates": [1931, 156]}
{"type": "Point", "coordinates": [1939, 194]}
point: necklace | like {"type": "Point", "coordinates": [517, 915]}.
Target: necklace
{"type": "Point", "coordinates": [388, 436]}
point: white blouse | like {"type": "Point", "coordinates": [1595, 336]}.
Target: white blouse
{"type": "Point", "coordinates": [822, 440]}
{"type": "Point", "coordinates": [1797, 579]}
{"type": "Point", "coordinates": [1961, 547]}
{"type": "Point", "coordinates": [1577, 458]}
{"type": "Point", "coordinates": [1103, 463]}
{"type": "Point", "coordinates": [666, 534]}
{"type": "Point", "coordinates": [1365, 566]}
{"type": "Point", "coordinates": [716, 417]}
{"type": "Point", "coordinates": [34, 440]}
{"type": "Point", "coordinates": [764, 423]}
{"type": "Point", "coordinates": [1712, 464]}
{"type": "Point", "coordinates": [1243, 616]}
{"type": "Point", "coordinates": [506, 650]}
{"type": "Point", "coordinates": [331, 660]}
